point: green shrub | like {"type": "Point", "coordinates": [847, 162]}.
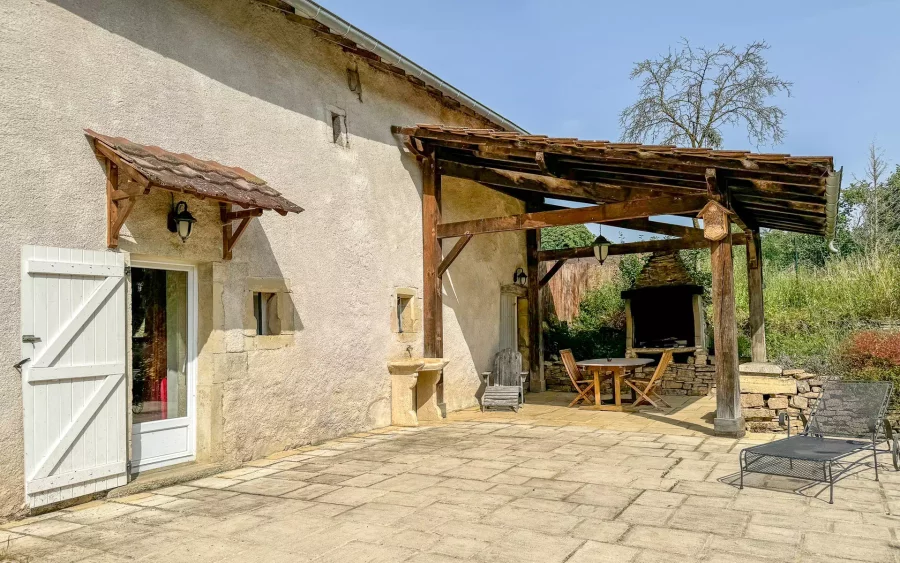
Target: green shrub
{"type": "Point", "coordinates": [597, 342]}
{"type": "Point", "coordinates": [569, 236]}
{"type": "Point", "coordinates": [871, 356]}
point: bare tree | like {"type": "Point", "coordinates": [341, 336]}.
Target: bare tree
{"type": "Point", "coordinates": [687, 96]}
{"type": "Point", "coordinates": [875, 169]}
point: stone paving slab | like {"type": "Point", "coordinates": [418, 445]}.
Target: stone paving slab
{"type": "Point", "coordinates": [547, 485]}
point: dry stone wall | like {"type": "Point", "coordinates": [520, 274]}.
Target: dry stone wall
{"type": "Point", "coordinates": [764, 398]}
{"type": "Point", "coordinates": [679, 379]}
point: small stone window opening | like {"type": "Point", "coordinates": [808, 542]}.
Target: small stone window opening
{"type": "Point", "coordinates": [265, 312]}
{"type": "Point", "coordinates": [404, 313]}
{"type": "Point", "coordinates": [338, 129]}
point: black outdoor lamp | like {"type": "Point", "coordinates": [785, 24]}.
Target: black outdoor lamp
{"type": "Point", "coordinates": [520, 277]}
{"type": "Point", "coordinates": [181, 221]}
{"type": "Point", "coordinates": [601, 248]}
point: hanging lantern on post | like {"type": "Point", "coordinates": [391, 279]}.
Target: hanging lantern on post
{"type": "Point", "coordinates": [520, 277]}
{"type": "Point", "coordinates": [181, 221]}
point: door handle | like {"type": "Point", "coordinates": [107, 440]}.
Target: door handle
{"type": "Point", "coordinates": [30, 338]}
{"type": "Point", "coordinates": [18, 365]}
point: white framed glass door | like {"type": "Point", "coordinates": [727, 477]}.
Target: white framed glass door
{"type": "Point", "coordinates": [163, 364]}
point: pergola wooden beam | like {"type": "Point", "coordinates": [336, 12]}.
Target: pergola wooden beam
{"type": "Point", "coordinates": [639, 247]}
{"type": "Point", "coordinates": [648, 226]}
{"type": "Point", "coordinates": [634, 209]}
{"type": "Point", "coordinates": [583, 191]}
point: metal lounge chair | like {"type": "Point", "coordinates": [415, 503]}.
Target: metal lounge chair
{"type": "Point", "coordinates": [505, 385]}
{"type": "Point", "coordinates": [847, 423]}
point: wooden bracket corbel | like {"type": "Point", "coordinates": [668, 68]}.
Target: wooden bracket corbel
{"type": "Point", "coordinates": [120, 200]}
{"type": "Point", "coordinates": [454, 252]}
{"type": "Point", "coordinates": [230, 235]}
{"type": "Point", "coordinates": [717, 189]}
{"type": "Point", "coordinates": [119, 204]}
{"type": "Point", "coordinates": [552, 272]}
{"type": "Point", "coordinates": [753, 247]}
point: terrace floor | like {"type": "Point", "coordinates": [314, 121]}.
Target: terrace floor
{"type": "Point", "coordinates": [550, 484]}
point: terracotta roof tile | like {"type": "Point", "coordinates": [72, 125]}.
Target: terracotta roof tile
{"type": "Point", "coordinates": [202, 178]}
{"type": "Point", "coordinates": [541, 140]}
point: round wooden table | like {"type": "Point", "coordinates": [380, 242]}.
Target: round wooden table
{"type": "Point", "coordinates": [610, 367]}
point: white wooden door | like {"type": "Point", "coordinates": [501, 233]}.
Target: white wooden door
{"type": "Point", "coordinates": [73, 386]}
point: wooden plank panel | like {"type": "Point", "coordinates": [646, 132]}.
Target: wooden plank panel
{"type": "Point", "coordinates": [69, 372]}
{"type": "Point", "coordinates": [66, 332]}
{"type": "Point", "coordinates": [71, 268]}
{"type": "Point", "coordinates": [73, 414]}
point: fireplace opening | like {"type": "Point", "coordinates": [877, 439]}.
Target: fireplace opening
{"type": "Point", "coordinates": [663, 317]}
{"type": "Point", "coordinates": [664, 310]}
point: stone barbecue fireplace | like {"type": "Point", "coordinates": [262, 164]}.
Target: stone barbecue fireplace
{"type": "Point", "coordinates": [664, 309]}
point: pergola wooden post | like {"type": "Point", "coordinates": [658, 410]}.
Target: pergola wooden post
{"type": "Point", "coordinates": [432, 256]}
{"type": "Point", "coordinates": [717, 229]}
{"type": "Point", "coordinates": [432, 302]}
{"type": "Point", "coordinates": [535, 313]}
{"type": "Point", "coordinates": [755, 294]}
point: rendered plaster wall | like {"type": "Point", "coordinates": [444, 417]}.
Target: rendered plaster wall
{"type": "Point", "coordinates": [235, 82]}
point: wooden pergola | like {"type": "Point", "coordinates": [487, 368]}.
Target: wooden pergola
{"type": "Point", "coordinates": [626, 184]}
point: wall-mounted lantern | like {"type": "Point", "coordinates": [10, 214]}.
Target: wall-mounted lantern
{"type": "Point", "coordinates": [181, 221]}
{"type": "Point", "coordinates": [520, 277]}
{"type": "Point", "coordinates": [601, 248]}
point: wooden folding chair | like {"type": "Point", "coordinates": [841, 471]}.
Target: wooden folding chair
{"type": "Point", "coordinates": [574, 375]}
{"type": "Point", "coordinates": [647, 392]}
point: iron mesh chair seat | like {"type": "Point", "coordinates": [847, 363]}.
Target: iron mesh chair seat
{"type": "Point", "coordinates": [851, 415]}
{"type": "Point", "coordinates": [810, 448]}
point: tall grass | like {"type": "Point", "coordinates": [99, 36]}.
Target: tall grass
{"type": "Point", "coordinates": [812, 311]}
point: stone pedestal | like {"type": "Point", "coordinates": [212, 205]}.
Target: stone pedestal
{"type": "Point", "coordinates": [414, 390]}
{"type": "Point", "coordinates": [731, 427]}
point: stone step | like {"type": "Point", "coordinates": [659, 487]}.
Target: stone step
{"type": "Point", "coordinates": [168, 476]}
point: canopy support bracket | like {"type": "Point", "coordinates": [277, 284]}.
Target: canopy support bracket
{"type": "Point", "coordinates": [231, 234]}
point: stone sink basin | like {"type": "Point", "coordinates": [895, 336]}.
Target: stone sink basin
{"type": "Point", "coordinates": [414, 390]}
{"type": "Point", "coordinates": [409, 365]}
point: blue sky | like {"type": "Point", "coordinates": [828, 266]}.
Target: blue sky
{"type": "Point", "coordinates": [561, 68]}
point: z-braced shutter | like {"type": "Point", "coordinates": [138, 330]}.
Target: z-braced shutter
{"type": "Point", "coordinates": [73, 386]}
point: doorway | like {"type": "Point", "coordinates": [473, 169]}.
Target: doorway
{"type": "Point", "coordinates": [163, 364]}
